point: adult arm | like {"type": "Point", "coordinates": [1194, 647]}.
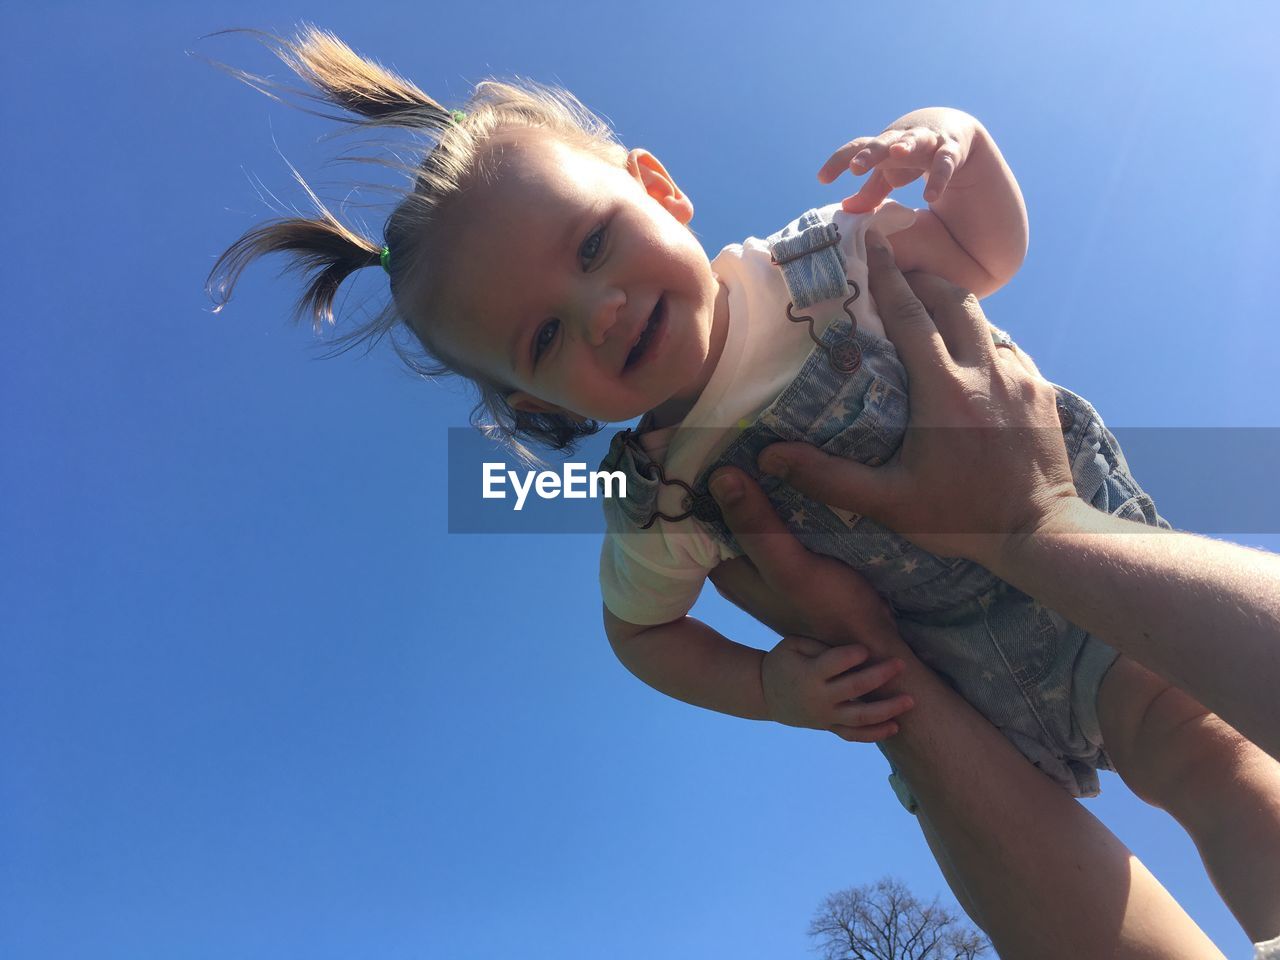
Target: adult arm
{"type": "Point", "coordinates": [1202, 613]}
{"type": "Point", "coordinates": [1036, 870]}
{"type": "Point", "coordinates": [982, 473]}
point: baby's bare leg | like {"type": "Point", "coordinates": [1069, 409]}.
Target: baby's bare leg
{"type": "Point", "coordinates": [1224, 790]}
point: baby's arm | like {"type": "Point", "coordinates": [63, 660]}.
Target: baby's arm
{"type": "Point", "coordinates": [688, 660]}
{"type": "Point", "coordinates": [801, 682]}
{"type": "Point", "coordinates": [975, 230]}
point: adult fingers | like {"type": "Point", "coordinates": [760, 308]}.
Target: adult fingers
{"type": "Point", "coordinates": [906, 321]}
{"type": "Point", "coordinates": [957, 316]}
{"type": "Point", "coordinates": [964, 326]}
{"type": "Point", "coordinates": [780, 557]}
{"type": "Point", "coordinates": [832, 480]}
{"type": "Point", "coordinates": [1025, 361]}
{"type": "Point", "coordinates": [1035, 396]}
{"type": "Point", "coordinates": [837, 601]}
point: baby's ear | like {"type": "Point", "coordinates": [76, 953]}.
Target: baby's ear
{"type": "Point", "coordinates": [659, 184]}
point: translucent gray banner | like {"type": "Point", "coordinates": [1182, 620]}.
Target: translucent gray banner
{"type": "Point", "coordinates": [1211, 480]}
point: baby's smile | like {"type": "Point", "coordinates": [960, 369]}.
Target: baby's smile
{"type": "Point", "coordinates": [648, 340]}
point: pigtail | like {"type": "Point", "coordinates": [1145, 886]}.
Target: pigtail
{"type": "Point", "coordinates": [340, 77]}
{"type": "Point", "coordinates": [324, 250]}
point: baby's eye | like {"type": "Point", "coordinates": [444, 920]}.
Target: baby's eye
{"type": "Point", "coordinates": [546, 336]}
{"type": "Point", "coordinates": [591, 248]}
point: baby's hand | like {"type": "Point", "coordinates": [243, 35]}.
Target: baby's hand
{"type": "Point", "coordinates": [934, 141]}
{"type": "Point", "coordinates": [808, 684]}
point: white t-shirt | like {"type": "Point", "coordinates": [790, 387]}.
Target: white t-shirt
{"type": "Point", "coordinates": [655, 576]}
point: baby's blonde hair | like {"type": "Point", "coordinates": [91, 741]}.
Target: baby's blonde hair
{"type": "Point", "coordinates": [326, 252]}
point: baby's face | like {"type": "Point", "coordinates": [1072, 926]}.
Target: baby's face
{"type": "Point", "coordinates": [576, 284]}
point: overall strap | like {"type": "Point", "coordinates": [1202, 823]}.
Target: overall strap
{"type": "Point", "coordinates": [812, 263]}
{"type": "Point", "coordinates": [808, 251]}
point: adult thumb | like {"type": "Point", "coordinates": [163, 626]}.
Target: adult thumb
{"type": "Point", "coordinates": [831, 480]}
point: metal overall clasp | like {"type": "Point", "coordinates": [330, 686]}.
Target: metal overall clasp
{"type": "Point", "coordinates": [844, 355]}
{"type": "Point", "coordinates": [700, 506]}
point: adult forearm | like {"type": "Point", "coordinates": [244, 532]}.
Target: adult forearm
{"type": "Point", "coordinates": [1017, 842]}
{"type": "Point", "coordinates": [1030, 861]}
{"type": "Point", "coordinates": [1202, 613]}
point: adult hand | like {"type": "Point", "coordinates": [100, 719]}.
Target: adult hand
{"type": "Point", "coordinates": [829, 605]}
{"type": "Point", "coordinates": [788, 588]}
{"type": "Point", "coordinates": [983, 459]}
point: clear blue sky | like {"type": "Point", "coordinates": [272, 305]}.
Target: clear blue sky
{"type": "Point", "coordinates": [255, 702]}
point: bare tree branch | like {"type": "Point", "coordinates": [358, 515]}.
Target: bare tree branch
{"type": "Point", "coordinates": [886, 921]}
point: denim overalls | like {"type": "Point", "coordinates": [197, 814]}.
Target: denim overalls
{"type": "Point", "coordinates": [1026, 669]}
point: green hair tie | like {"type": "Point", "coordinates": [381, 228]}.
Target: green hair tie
{"type": "Point", "coordinates": [456, 117]}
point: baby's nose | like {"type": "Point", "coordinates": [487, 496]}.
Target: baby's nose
{"type": "Point", "coordinates": [603, 315]}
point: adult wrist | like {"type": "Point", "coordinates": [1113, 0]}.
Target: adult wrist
{"type": "Point", "coordinates": [1064, 515]}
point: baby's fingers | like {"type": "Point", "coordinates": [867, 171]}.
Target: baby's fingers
{"type": "Point", "coordinates": [835, 661]}
{"type": "Point", "coordinates": [859, 683]}
{"type": "Point", "coordinates": [838, 162]}
{"type": "Point", "coordinates": [874, 152]}
{"type": "Point", "coordinates": [945, 162]}
{"type": "Point", "coordinates": [873, 713]}
{"type": "Point", "coordinates": [858, 155]}
{"type": "Point", "coordinates": [914, 146]}
{"type": "Point", "coordinates": [872, 194]}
